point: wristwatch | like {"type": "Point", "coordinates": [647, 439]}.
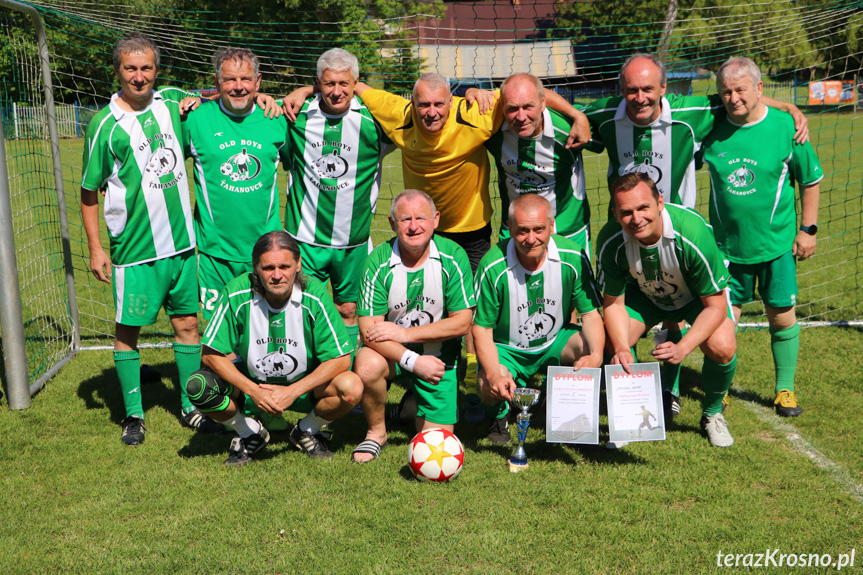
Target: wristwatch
{"type": "Point", "coordinates": [811, 230]}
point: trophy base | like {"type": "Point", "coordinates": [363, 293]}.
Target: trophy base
{"type": "Point", "coordinates": [516, 467]}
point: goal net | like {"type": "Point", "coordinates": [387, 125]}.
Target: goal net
{"type": "Point", "coordinates": [810, 52]}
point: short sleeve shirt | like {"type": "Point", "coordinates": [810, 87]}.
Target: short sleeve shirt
{"type": "Point", "coordinates": [235, 161]}
{"type": "Point", "coordinates": [411, 297]}
{"type": "Point", "coordinates": [334, 175]}
{"type": "Point", "coordinates": [753, 169]}
{"type": "Point", "coordinates": [277, 345]}
{"type": "Point", "coordinates": [137, 157]}
{"type": "Point", "coordinates": [544, 166]}
{"type": "Point", "coordinates": [451, 165]}
{"type": "Point", "coordinates": [683, 265]}
{"type": "Point", "coordinates": [525, 309]}
{"type": "Point", "coordinates": [664, 150]}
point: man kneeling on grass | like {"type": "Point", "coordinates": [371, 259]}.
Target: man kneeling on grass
{"type": "Point", "coordinates": [292, 350]}
{"type": "Point", "coordinates": [416, 302]}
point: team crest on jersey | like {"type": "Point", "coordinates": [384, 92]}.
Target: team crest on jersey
{"type": "Point", "coordinates": [646, 167]}
{"type": "Point", "coordinates": [277, 364]}
{"type": "Point", "coordinates": [537, 326]}
{"type": "Point", "coordinates": [414, 318]}
{"type": "Point", "coordinates": [241, 167]}
{"type": "Point", "coordinates": [742, 177]}
{"type": "Point", "coordinates": [659, 288]}
{"type": "Point", "coordinates": [530, 179]}
{"type": "Point", "coordinates": [162, 162]}
{"type": "Point", "coordinates": [331, 166]}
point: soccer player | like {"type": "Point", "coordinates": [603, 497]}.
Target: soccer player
{"type": "Point", "coordinates": [134, 151]}
{"type": "Point", "coordinates": [295, 354]}
{"type": "Point", "coordinates": [416, 303]}
{"type": "Point", "coordinates": [335, 177]}
{"type": "Point", "coordinates": [531, 157]}
{"type": "Point", "coordinates": [530, 289]}
{"type": "Point", "coordinates": [236, 150]}
{"type": "Point", "coordinates": [754, 162]}
{"type": "Point", "coordinates": [659, 261]}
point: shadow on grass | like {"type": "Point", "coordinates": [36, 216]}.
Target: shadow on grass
{"type": "Point", "coordinates": [103, 391]}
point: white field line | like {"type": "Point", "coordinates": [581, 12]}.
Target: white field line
{"type": "Point", "coordinates": [802, 445]}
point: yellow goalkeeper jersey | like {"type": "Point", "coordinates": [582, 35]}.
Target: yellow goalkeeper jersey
{"type": "Point", "coordinates": [452, 165]}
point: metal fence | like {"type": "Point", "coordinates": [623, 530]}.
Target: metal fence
{"type": "Point", "coordinates": [28, 121]}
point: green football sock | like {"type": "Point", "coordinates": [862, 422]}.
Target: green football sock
{"type": "Point", "coordinates": [669, 372]}
{"type": "Point", "coordinates": [785, 344]}
{"type": "Point", "coordinates": [717, 380]}
{"type": "Point", "coordinates": [128, 366]}
{"type": "Point", "coordinates": [188, 358]}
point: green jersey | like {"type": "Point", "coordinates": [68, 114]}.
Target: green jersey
{"type": "Point", "coordinates": [542, 165]}
{"type": "Point", "coordinates": [683, 265]}
{"type": "Point", "coordinates": [752, 173]}
{"type": "Point", "coordinates": [427, 293]}
{"type": "Point", "coordinates": [664, 150]}
{"type": "Point", "coordinates": [277, 345]}
{"type": "Point", "coordinates": [235, 158]}
{"type": "Point", "coordinates": [137, 157]}
{"type": "Point", "coordinates": [525, 309]}
{"type": "Point", "coordinates": [335, 175]}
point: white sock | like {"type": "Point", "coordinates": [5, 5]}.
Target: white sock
{"type": "Point", "coordinates": [244, 426]}
{"type": "Point", "coordinates": [313, 423]}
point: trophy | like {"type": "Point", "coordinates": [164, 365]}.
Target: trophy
{"type": "Point", "coordinates": [523, 399]}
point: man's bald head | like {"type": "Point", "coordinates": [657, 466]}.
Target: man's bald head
{"type": "Point", "coordinates": [528, 204]}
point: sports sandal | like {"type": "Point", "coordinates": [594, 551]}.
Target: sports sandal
{"type": "Point", "coordinates": [368, 446]}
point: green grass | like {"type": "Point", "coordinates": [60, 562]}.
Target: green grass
{"type": "Point", "coordinates": [78, 501]}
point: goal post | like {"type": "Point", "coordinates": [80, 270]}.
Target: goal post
{"type": "Point", "coordinates": [13, 325]}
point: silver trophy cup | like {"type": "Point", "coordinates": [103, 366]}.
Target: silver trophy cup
{"type": "Point", "coordinates": [522, 399]}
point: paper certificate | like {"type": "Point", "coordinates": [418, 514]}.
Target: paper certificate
{"type": "Point", "coordinates": [572, 414]}
{"type": "Point", "coordinates": [634, 403]}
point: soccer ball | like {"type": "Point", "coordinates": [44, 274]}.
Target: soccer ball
{"type": "Point", "coordinates": [226, 168]}
{"type": "Point", "coordinates": [435, 455]}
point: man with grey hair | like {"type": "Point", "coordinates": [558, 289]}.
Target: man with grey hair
{"type": "Point", "coordinates": [236, 150]}
{"type": "Point", "coordinates": [646, 130]}
{"type": "Point", "coordinates": [134, 151]}
{"type": "Point", "coordinates": [336, 150]}
{"type": "Point", "coordinates": [416, 303]}
{"type": "Point", "coordinates": [754, 162]}
{"type": "Point", "coordinates": [532, 158]}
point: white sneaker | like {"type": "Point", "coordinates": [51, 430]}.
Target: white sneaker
{"type": "Point", "coordinates": [717, 430]}
{"type": "Point", "coordinates": [616, 444]}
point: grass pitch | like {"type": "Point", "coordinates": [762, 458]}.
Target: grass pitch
{"type": "Point", "coordinates": [76, 500]}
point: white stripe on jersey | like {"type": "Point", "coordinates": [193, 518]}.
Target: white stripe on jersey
{"type": "Point", "coordinates": [432, 289]}
{"type": "Point", "coordinates": [519, 307]}
{"type": "Point", "coordinates": [345, 196]}
{"type": "Point", "coordinates": [341, 346]}
{"type": "Point", "coordinates": [259, 335]}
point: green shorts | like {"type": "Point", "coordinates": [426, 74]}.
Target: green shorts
{"type": "Point", "coordinates": [141, 290]}
{"type": "Point", "coordinates": [523, 364]}
{"type": "Point", "coordinates": [436, 403]}
{"type": "Point", "coordinates": [641, 308]}
{"type": "Point", "coordinates": [303, 404]}
{"type": "Point", "coordinates": [342, 266]}
{"type": "Point", "coordinates": [213, 275]}
{"type": "Point", "coordinates": [776, 279]}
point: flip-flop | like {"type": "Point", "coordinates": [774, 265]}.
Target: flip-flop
{"type": "Point", "coordinates": [368, 446]}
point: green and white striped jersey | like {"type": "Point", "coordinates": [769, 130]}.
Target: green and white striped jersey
{"type": "Point", "coordinates": [334, 175]}
{"type": "Point", "coordinates": [664, 150]}
{"type": "Point", "coordinates": [138, 158]}
{"type": "Point", "coordinates": [411, 297]}
{"type": "Point", "coordinates": [543, 166]}
{"type": "Point", "coordinates": [526, 310]}
{"type": "Point", "coordinates": [277, 345]}
{"type": "Point", "coordinates": [235, 158]}
{"type": "Point", "coordinates": [683, 265]}
{"type": "Point", "coordinates": [752, 173]}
